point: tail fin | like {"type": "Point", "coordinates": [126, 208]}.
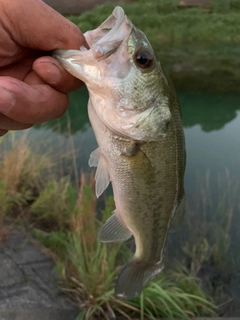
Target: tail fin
{"type": "Point", "coordinates": [133, 278]}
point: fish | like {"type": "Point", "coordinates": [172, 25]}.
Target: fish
{"type": "Point", "coordinates": [136, 117]}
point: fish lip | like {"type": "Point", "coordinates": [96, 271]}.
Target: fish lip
{"type": "Point", "coordinates": [103, 44]}
{"type": "Point", "coordinates": [117, 17]}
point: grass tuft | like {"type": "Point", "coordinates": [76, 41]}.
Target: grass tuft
{"type": "Point", "coordinates": [22, 175]}
{"type": "Point", "coordinates": [55, 204]}
{"type": "Point", "coordinates": [20, 168]}
{"type": "Point", "coordinates": [89, 270]}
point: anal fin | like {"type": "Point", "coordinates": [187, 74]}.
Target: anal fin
{"type": "Point", "coordinates": [113, 230]}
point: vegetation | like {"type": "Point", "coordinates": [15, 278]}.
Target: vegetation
{"type": "Point", "coordinates": [21, 176]}
{"type": "Point", "coordinates": [199, 48]}
{"type": "Point", "coordinates": [55, 204]}
{"type": "Point", "coordinates": [64, 221]}
{"type": "Point", "coordinates": [89, 269]}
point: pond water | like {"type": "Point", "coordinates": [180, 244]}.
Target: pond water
{"type": "Point", "coordinates": [208, 239]}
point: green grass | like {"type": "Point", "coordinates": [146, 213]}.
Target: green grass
{"type": "Point", "coordinates": [174, 295]}
{"type": "Point", "coordinates": [55, 204]}
{"type": "Point", "coordinates": [182, 25]}
{"type": "Point", "coordinates": [199, 49]}
{"type": "Point", "coordinates": [89, 268]}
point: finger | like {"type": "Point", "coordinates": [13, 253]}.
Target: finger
{"type": "Point", "coordinates": [9, 124]}
{"type": "Point", "coordinates": [30, 103]}
{"type": "Point", "coordinates": [18, 69]}
{"type": "Point", "coordinates": [33, 78]}
{"type": "Point", "coordinates": [3, 132]}
{"type": "Point", "coordinates": [51, 72]}
{"type": "Point", "coordinates": [51, 32]}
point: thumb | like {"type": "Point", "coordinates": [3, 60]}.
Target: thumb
{"type": "Point", "coordinates": [33, 24]}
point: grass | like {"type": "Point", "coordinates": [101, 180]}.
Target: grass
{"type": "Point", "coordinates": [174, 295]}
{"type": "Point", "coordinates": [89, 269]}
{"type": "Point", "coordinates": [20, 167]}
{"type": "Point", "coordinates": [55, 204]}
{"type": "Point", "coordinates": [64, 221]}
{"type": "Point", "coordinates": [160, 26]}
{"type": "Point", "coordinates": [199, 49]}
{"type": "Point", "coordinates": [21, 176]}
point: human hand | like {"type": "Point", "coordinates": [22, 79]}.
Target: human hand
{"type": "Point", "coordinates": [33, 85]}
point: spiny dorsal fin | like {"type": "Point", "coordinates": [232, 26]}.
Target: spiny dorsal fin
{"type": "Point", "coordinates": [113, 230]}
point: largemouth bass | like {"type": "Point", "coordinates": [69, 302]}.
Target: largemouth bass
{"type": "Point", "coordinates": [136, 118]}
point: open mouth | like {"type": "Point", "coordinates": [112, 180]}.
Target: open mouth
{"type": "Point", "coordinates": [107, 45]}
{"type": "Point", "coordinates": [107, 28]}
{"type": "Point", "coordinates": [106, 39]}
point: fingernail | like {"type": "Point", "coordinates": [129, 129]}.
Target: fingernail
{"type": "Point", "coordinates": [7, 100]}
{"type": "Point", "coordinates": [52, 74]}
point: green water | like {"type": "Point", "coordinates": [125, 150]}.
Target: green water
{"type": "Point", "coordinates": [211, 124]}
{"type": "Point", "coordinates": [207, 242]}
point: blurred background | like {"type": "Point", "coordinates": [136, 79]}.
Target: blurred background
{"type": "Point", "coordinates": [198, 44]}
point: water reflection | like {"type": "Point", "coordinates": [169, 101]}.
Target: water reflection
{"type": "Point", "coordinates": [211, 111]}
{"type": "Point", "coordinates": [211, 124]}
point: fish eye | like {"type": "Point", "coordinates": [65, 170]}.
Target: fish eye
{"type": "Point", "coordinates": [144, 59]}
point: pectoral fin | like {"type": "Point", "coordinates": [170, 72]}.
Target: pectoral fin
{"type": "Point", "coordinates": [102, 176]}
{"type": "Point", "coordinates": [94, 158]}
{"type": "Point", "coordinates": [113, 230]}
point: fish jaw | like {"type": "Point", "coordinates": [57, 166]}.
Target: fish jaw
{"type": "Point", "coordinates": [80, 64]}
{"type": "Point", "coordinates": [106, 39]}
{"type": "Point", "coordinates": [92, 65]}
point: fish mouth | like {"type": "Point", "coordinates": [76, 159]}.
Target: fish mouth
{"type": "Point", "coordinates": [106, 53]}
{"type": "Point", "coordinates": [107, 38]}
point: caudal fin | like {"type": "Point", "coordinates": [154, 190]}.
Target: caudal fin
{"type": "Point", "coordinates": [133, 278]}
